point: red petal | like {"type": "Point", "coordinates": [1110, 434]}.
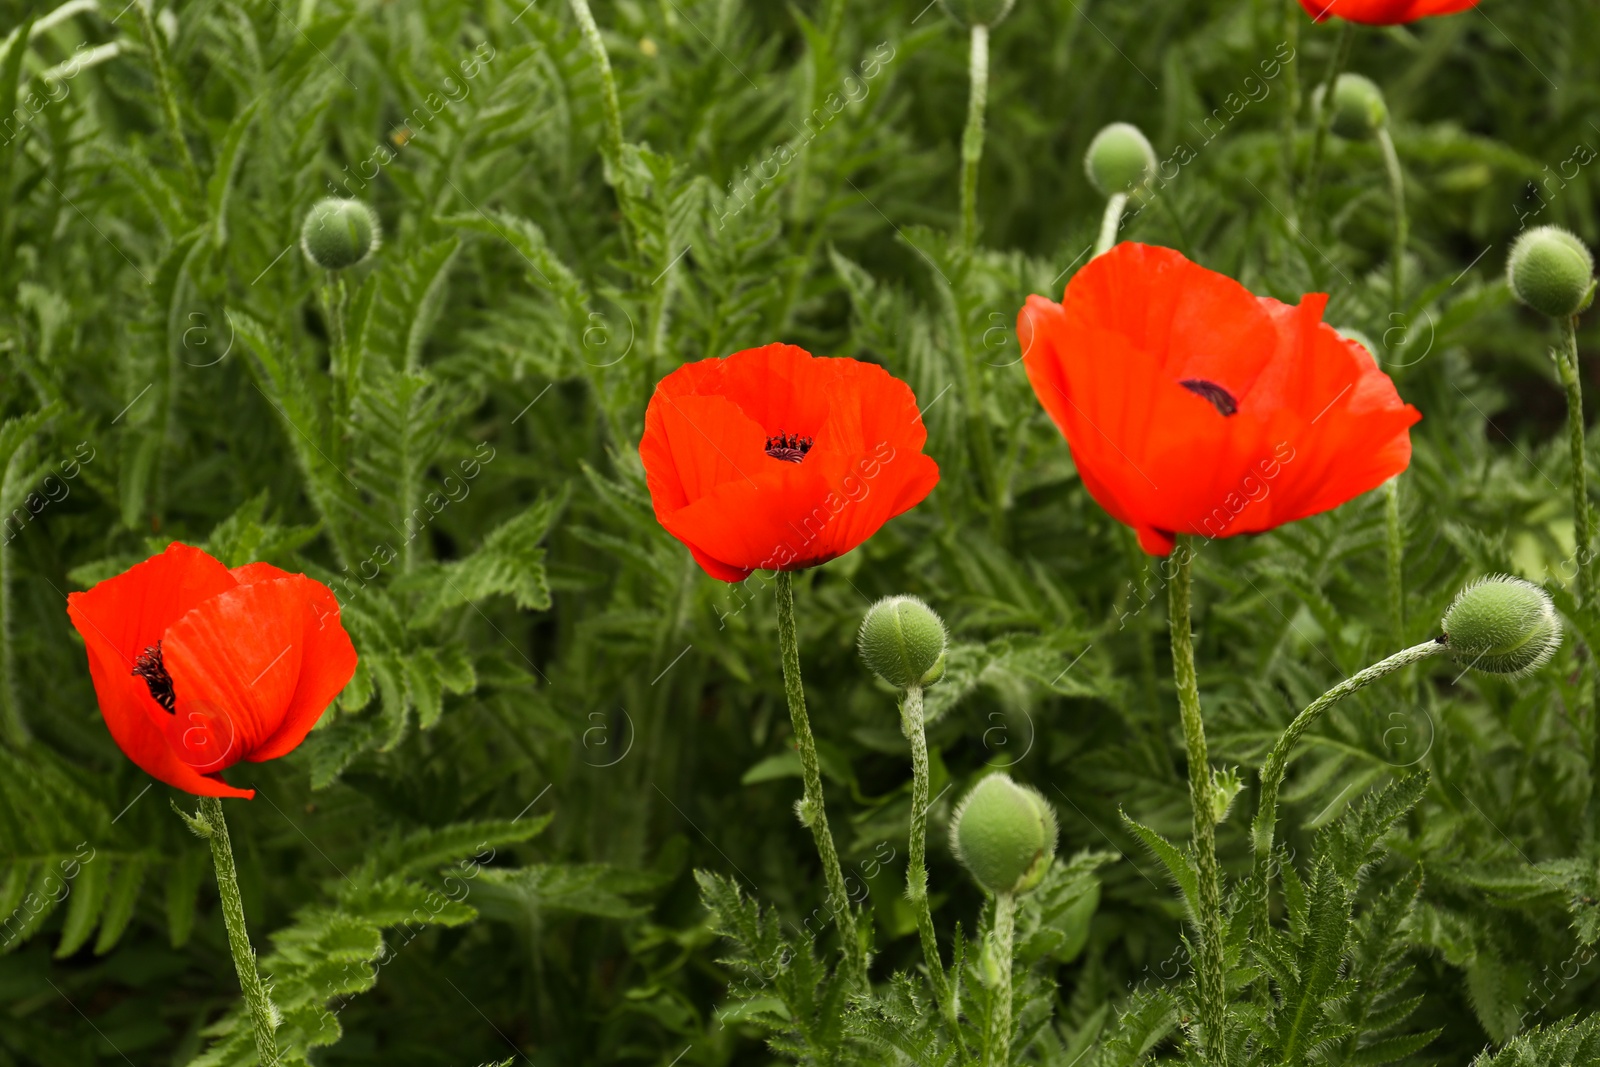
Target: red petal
{"type": "Point", "coordinates": [248, 666]}
{"type": "Point", "coordinates": [738, 509]}
{"type": "Point", "coordinates": [119, 618]}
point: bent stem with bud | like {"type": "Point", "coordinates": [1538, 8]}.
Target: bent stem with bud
{"type": "Point", "coordinates": [1211, 964]}
{"type": "Point", "coordinates": [210, 824]}
{"type": "Point", "coordinates": [1499, 625]}
{"type": "Point", "coordinates": [812, 810]}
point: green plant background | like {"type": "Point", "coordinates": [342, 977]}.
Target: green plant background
{"type": "Point", "coordinates": [558, 717]}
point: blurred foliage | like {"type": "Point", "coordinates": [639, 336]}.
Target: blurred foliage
{"type": "Point", "coordinates": [535, 649]}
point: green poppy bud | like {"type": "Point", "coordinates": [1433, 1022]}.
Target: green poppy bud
{"type": "Point", "coordinates": [1551, 271]}
{"type": "Point", "coordinates": [339, 233]}
{"type": "Point", "coordinates": [1004, 834]}
{"type": "Point", "coordinates": [1359, 110]}
{"type": "Point", "coordinates": [1120, 160]}
{"type": "Point", "coordinates": [977, 12]}
{"type": "Point", "coordinates": [902, 641]}
{"type": "Point", "coordinates": [1502, 625]}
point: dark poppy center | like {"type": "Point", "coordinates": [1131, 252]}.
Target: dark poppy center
{"type": "Point", "coordinates": [789, 447]}
{"type": "Point", "coordinates": [1220, 398]}
{"type": "Point", "coordinates": [148, 666]}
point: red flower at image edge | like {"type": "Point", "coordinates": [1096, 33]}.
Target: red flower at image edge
{"type": "Point", "coordinates": [197, 667]}
{"type": "Point", "coordinates": [773, 458]}
{"type": "Point", "coordinates": [1193, 406]}
{"type": "Point", "coordinates": [1383, 12]}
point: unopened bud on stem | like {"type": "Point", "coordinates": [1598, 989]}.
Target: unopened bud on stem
{"type": "Point", "coordinates": [1359, 110]}
{"type": "Point", "coordinates": [1502, 625]}
{"type": "Point", "coordinates": [339, 233]}
{"type": "Point", "coordinates": [1120, 160]}
{"type": "Point", "coordinates": [1004, 834]}
{"type": "Point", "coordinates": [1551, 271]}
{"type": "Point", "coordinates": [902, 641]}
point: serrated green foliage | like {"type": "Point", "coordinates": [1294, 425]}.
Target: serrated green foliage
{"type": "Point", "coordinates": [787, 172]}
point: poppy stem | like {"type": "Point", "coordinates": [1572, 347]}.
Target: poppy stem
{"type": "Point", "coordinates": [244, 957]}
{"type": "Point", "coordinates": [1402, 223]}
{"type": "Point", "coordinates": [1211, 963]}
{"type": "Point", "coordinates": [1004, 939]}
{"type": "Point", "coordinates": [1583, 517]}
{"type": "Point", "coordinates": [1396, 559]}
{"type": "Point", "coordinates": [1324, 116]}
{"type": "Point", "coordinates": [611, 131]}
{"type": "Point", "coordinates": [912, 725]}
{"type": "Point", "coordinates": [1292, 14]}
{"type": "Point", "coordinates": [972, 137]}
{"type": "Point", "coordinates": [1110, 222]}
{"type": "Point", "coordinates": [1272, 772]}
{"type": "Point", "coordinates": [813, 812]}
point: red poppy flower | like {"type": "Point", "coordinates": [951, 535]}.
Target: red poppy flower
{"type": "Point", "coordinates": [198, 667]}
{"type": "Point", "coordinates": [1193, 406]}
{"type": "Point", "coordinates": [775, 458]}
{"type": "Point", "coordinates": [1383, 12]}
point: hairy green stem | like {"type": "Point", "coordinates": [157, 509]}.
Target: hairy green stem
{"type": "Point", "coordinates": [16, 728]}
{"type": "Point", "coordinates": [1402, 222]}
{"type": "Point", "coordinates": [972, 137]}
{"type": "Point", "coordinates": [1272, 772]}
{"type": "Point", "coordinates": [1341, 57]}
{"type": "Point", "coordinates": [244, 957]}
{"type": "Point", "coordinates": [1583, 517]}
{"type": "Point", "coordinates": [1004, 935]}
{"type": "Point", "coordinates": [815, 814]}
{"type": "Point", "coordinates": [1292, 14]}
{"type": "Point", "coordinates": [1211, 964]}
{"type": "Point", "coordinates": [611, 139]}
{"type": "Point", "coordinates": [1109, 223]}
{"type": "Point", "coordinates": [1396, 557]}
{"type": "Point", "coordinates": [911, 724]}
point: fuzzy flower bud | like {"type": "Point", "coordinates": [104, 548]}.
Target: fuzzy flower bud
{"type": "Point", "coordinates": [902, 641]}
{"type": "Point", "coordinates": [977, 12]}
{"type": "Point", "coordinates": [339, 233]}
{"type": "Point", "coordinates": [1120, 160]}
{"type": "Point", "coordinates": [1551, 271]}
{"type": "Point", "coordinates": [1502, 625]}
{"type": "Point", "coordinates": [1004, 834]}
{"type": "Point", "coordinates": [1359, 110]}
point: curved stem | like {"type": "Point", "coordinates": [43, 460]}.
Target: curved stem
{"type": "Point", "coordinates": [611, 142]}
{"type": "Point", "coordinates": [1341, 56]}
{"type": "Point", "coordinates": [1396, 559]}
{"type": "Point", "coordinates": [1272, 772]}
{"type": "Point", "coordinates": [1211, 965]}
{"type": "Point", "coordinates": [244, 957]}
{"type": "Point", "coordinates": [1004, 935]}
{"type": "Point", "coordinates": [1109, 223]}
{"type": "Point", "coordinates": [1402, 223]}
{"type": "Point", "coordinates": [912, 725]}
{"type": "Point", "coordinates": [1583, 516]}
{"type": "Point", "coordinates": [972, 137]}
{"type": "Point", "coordinates": [815, 813]}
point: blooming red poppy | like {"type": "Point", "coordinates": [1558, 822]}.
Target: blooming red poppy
{"type": "Point", "coordinates": [1383, 12]}
{"type": "Point", "coordinates": [198, 667]}
{"type": "Point", "coordinates": [1193, 406]}
{"type": "Point", "coordinates": [773, 458]}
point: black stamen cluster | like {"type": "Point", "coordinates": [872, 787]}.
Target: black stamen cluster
{"type": "Point", "coordinates": [789, 447]}
{"type": "Point", "coordinates": [148, 666]}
